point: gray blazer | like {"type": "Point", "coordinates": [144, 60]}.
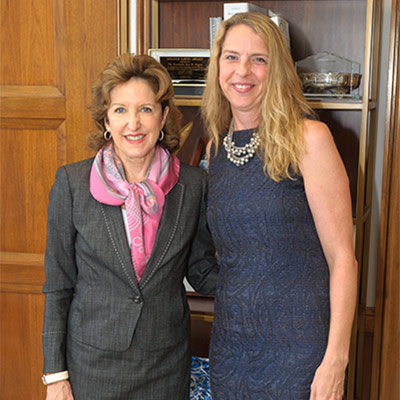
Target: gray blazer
{"type": "Point", "coordinates": [91, 290]}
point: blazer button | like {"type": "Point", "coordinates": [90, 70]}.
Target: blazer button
{"type": "Point", "coordinates": [136, 299]}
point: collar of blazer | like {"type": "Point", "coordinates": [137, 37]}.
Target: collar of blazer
{"type": "Point", "coordinates": [165, 234]}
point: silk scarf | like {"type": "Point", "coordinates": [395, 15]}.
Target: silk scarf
{"type": "Point", "coordinates": [144, 201]}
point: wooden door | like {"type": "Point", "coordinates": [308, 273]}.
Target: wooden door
{"type": "Point", "coordinates": [51, 51]}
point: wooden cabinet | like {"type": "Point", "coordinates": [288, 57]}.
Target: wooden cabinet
{"type": "Point", "coordinates": [349, 29]}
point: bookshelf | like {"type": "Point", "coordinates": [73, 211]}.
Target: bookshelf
{"type": "Point", "coordinates": [348, 28]}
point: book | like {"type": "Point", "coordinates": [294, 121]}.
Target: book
{"type": "Point", "coordinates": [214, 24]}
{"type": "Point", "coordinates": [235, 8]}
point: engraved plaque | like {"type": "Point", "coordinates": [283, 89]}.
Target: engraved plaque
{"type": "Point", "coordinates": [183, 68]}
{"type": "Point", "coordinates": [187, 68]}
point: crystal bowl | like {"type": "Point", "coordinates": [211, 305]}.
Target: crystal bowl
{"type": "Point", "coordinates": [329, 82]}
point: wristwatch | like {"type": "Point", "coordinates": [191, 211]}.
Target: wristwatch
{"type": "Point", "coordinates": [57, 377]}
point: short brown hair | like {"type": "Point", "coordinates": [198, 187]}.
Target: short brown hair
{"type": "Point", "coordinates": [121, 70]}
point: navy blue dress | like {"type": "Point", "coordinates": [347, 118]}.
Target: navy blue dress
{"type": "Point", "coordinates": [272, 305]}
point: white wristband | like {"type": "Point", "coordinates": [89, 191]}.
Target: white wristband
{"type": "Point", "coordinates": [57, 377]}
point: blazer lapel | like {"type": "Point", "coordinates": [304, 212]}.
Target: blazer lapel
{"type": "Point", "coordinates": [116, 230]}
{"type": "Point", "coordinates": [166, 231]}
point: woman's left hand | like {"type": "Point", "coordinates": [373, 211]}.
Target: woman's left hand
{"type": "Point", "coordinates": [328, 383]}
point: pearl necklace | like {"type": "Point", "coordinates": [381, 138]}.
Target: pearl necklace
{"type": "Point", "coordinates": [240, 155]}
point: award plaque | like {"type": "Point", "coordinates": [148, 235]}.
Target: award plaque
{"type": "Point", "coordinates": [187, 68]}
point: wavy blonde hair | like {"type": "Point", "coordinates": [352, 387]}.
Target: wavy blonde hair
{"type": "Point", "coordinates": [121, 70]}
{"type": "Point", "coordinates": [284, 106]}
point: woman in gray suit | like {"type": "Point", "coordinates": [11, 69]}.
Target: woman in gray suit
{"type": "Point", "coordinates": [124, 229]}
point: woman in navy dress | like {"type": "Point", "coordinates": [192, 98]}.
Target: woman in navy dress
{"type": "Point", "coordinates": [279, 210]}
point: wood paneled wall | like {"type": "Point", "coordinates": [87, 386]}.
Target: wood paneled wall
{"type": "Point", "coordinates": [51, 52]}
{"type": "Point", "coordinates": [386, 349]}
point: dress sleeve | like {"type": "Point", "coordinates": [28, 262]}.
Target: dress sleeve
{"type": "Point", "coordinates": [61, 272]}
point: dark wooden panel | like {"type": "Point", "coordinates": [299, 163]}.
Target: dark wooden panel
{"type": "Point", "coordinates": [386, 350]}
{"type": "Point", "coordinates": [202, 311]}
{"type": "Point", "coordinates": [345, 128]}
{"type": "Point", "coordinates": [367, 353]}
{"type": "Point", "coordinates": [194, 144]}
{"type": "Point", "coordinates": [390, 345]}
{"type": "Point", "coordinates": [188, 24]}
{"type": "Point", "coordinates": [200, 304]}
{"type": "Point", "coordinates": [310, 27]}
{"type": "Point", "coordinates": [200, 337]}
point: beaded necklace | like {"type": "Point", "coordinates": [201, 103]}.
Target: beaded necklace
{"type": "Point", "coordinates": [240, 155]}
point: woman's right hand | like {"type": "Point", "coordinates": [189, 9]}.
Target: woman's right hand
{"type": "Point", "coordinates": [59, 391]}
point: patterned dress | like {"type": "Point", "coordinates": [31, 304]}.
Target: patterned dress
{"type": "Point", "coordinates": [272, 306]}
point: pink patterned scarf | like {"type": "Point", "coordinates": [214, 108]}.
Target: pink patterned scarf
{"type": "Point", "coordinates": [144, 201]}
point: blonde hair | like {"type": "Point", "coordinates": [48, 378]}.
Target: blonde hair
{"type": "Point", "coordinates": [284, 106]}
{"type": "Point", "coordinates": [121, 70]}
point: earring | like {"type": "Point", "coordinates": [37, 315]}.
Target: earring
{"type": "Point", "coordinates": [107, 135]}
{"type": "Point", "coordinates": [161, 137]}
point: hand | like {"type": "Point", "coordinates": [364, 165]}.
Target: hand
{"type": "Point", "coordinates": [328, 383]}
{"type": "Point", "coordinates": [59, 391]}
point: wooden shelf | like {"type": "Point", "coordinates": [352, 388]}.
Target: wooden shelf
{"type": "Point", "coordinates": [200, 304]}
{"type": "Point", "coordinates": [316, 104]}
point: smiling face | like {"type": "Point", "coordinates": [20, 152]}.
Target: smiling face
{"type": "Point", "coordinates": [243, 68]}
{"type": "Point", "coordinates": [135, 120]}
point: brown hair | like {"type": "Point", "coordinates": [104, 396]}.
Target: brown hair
{"type": "Point", "coordinates": [284, 106]}
{"type": "Point", "coordinates": [121, 70]}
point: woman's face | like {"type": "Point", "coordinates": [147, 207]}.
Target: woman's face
{"type": "Point", "coordinates": [243, 68]}
{"type": "Point", "coordinates": [134, 120]}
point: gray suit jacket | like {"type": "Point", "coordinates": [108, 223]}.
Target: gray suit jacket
{"type": "Point", "coordinates": [91, 290]}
